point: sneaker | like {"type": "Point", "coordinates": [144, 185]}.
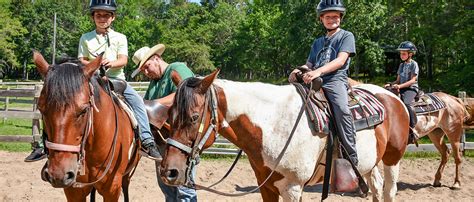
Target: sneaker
{"type": "Point", "coordinates": [149, 150]}
{"type": "Point", "coordinates": [36, 155]}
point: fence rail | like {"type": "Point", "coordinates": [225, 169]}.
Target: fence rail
{"type": "Point", "coordinates": [221, 146]}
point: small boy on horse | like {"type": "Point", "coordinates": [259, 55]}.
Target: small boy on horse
{"type": "Point", "coordinates": [407, 81]}
{"type": "Point", "coordinates": [329, 58]}
{"type": "Point", "coordinates": [115, 49]}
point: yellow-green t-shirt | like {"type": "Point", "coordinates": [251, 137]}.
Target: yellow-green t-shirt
{"type": "Point", "coordinates": [113, 44]}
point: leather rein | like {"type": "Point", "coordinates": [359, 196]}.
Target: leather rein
{"type": "Point", "coordinates": [80, 149]}
{"type": "Point", "coordinates": [194, 152]}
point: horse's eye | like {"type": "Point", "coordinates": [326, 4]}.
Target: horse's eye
{"type": "Point", "coordinates": [83, 111]}
{"type": "Point", "coordinates": [194, 117]}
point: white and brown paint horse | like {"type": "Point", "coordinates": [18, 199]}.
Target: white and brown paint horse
{"type": "Point", "coordinates": [445, 122]}
{"type": "Point", "coordinates": [258, 119]}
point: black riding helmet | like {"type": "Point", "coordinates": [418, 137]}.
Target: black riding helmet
{"type": "Point", "coordinates": [330, 5]}
{"type": "Point", "coordinates": [106, 5]}
{"type": "Point", "coordinates": [407, 46]}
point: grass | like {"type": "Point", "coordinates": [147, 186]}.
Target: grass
{"type": "Point", "coordinates": [431, 155]}
{"type": "Point", "coordinates": [17, 103]}
{"type": "Point", "coordinates": [15, 146]}
{"type": "Point", "coordinates": [15, 127]}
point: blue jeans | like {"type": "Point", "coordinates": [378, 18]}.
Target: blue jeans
{"type": "Point", "coordinates": [175, 194]}
{"type": "Point", "coordinates": [138, 107]}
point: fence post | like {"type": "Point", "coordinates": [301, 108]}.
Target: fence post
{"type": "Point", "coordinates": [36, 128]}
{"type": "Point", "coordinates": [7, 100]}
{"type": "Point", "coordinates": [462, 96]}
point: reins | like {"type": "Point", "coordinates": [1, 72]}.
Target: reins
{"type": "Point", "coordinates": [111, 151]}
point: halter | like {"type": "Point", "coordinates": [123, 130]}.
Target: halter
{"type": "Point", "coordinates": [80, 149]}
{"type": "Point", "coordinates": [194, 152]}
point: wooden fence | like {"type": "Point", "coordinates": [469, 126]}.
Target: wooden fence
{"type": "Point", "coordinates": [221, 146]}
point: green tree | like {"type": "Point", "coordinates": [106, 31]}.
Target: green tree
{"type": "Point", "coordinates": [10, 28]}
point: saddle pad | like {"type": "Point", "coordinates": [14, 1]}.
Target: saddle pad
{"type": "Point", "coordinates": [428, 103]}
{"type": "Point", "coordinates": [366, 113]}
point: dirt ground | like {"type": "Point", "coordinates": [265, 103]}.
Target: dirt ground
{"type": "Point", "coordinates": [20, 181]}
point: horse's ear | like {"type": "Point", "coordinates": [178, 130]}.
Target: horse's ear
{"type": "Point", "coordinates": [207, 81]}
{"type": "Point", "coordinates": [40, 63]}
{"type": "Point", "coordinates": [90, 68]}
{"type": "Point", "coordinates": [176, 78]}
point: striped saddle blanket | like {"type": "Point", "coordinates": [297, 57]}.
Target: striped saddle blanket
{"type": "Point", "coordinates": [366, 110]}
{"type": "Point", "coordinates": [428, 103]}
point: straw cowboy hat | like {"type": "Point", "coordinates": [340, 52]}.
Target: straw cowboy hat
{"type": "Point", "coordinates": [143, 54]}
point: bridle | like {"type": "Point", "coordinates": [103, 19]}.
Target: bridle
{"type": "Point", "coordinates": [195, 149]}
{"type": "Point", "coordinates": [80, 149]}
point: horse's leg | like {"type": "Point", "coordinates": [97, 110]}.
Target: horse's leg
{"type": "Point", "coordinates": [268, 195]}
{"type": "Point", "coordinates": [390, 181]}
{"type": "Point", "coordinates": [375, 182]}
{"type": "Point", "coordinates": [77, 194]}
{"type": "Point", "coordinates": [290, 192]}
{"type": "Point", "coordinates": [455, 140]}
{"type": "Point", "coordinates": [436, 137]}
{"type": "Point", "coordinates": [111, 190]}
{"type": "Point", "coordinates": [125, 184]}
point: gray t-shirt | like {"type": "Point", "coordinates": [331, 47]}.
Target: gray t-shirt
{"type": "Point", "coordinates": [326, 49]}
{"type": "Point", "coordinates": [406, 69]}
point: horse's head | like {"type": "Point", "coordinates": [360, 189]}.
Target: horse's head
{"type": "Point", "coordinates": [66, 103]}
{"type": "Point", "coordinates": [195, 120]}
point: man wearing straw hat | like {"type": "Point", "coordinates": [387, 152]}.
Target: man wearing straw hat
{"type": "Point", "coordinates": [163, 89]}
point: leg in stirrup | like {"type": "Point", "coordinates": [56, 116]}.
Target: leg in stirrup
{"type": "Point", "coordinates": [413, 137]}
{"type": "Point", "coordinates": [149, 148]}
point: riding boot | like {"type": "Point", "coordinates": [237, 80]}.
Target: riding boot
{"type": "Point", "coordinates": [413, 137]}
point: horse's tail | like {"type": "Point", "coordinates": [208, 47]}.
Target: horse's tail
{"type": "Point", "coordinates": [468, 109]}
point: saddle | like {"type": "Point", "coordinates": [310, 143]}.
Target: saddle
{"type": "Point", "coordinates": [117, 85]}
{"type": "Point", "coordinates": [428, 103]}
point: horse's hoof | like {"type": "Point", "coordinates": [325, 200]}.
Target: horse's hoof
{"type": "Point", "coordinates": [456, 186]}
{"type": "Point", "coordinates": [437, 184]}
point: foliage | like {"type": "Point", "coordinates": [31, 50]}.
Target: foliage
{"type": "Point", "coordinates": [256, 40]}
{"type": "Point", "coordinates": [10, 28]}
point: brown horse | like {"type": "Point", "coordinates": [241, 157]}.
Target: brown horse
{"type": "Point", "coordinates": [90, 139]}
{"type": "Point", "coordinates": [445, 122]}
{"type": "Point", "coordinates": [258, 118]}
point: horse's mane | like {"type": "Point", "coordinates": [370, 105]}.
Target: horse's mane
{"type": "Point", "coordinates": [185, 100]}
{"type": "Point", "coordinates": [64, 81]}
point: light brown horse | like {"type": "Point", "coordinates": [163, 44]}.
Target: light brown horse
{"type": "Point", "coordinates": [258, 118]}
{"type": "Point", "coordinates": [90, 140]}
{"type": "Point", "coordinates": [445, 122]}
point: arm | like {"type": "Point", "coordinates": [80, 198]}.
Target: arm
{"type": "Point", "coordinates": [117, 64]}
{"type": "Point", "coordinates": [408, 83]}
{"type": "Point", "coordinates": [327, 68]}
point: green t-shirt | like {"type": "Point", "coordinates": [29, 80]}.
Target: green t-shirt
{"type": "Point", "coordinates": [165, 86]}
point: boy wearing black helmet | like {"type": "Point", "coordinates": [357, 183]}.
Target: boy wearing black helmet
{"type": "Point", "coordinates": [329, 59]}
{"type": "Point", "coordinates": [407, 81]}
{"type": "Point", "coordinates": [115, 48]}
